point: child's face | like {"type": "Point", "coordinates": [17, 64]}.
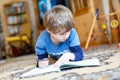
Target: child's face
{"type": "Point", "coordinates": [60, 37]}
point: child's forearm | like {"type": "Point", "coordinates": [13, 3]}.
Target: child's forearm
{"type": "Point", "coordinates": [64, 58]}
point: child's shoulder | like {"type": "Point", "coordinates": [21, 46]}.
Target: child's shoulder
{"type": "Point", "coordinates": [73, 34]}
{"type": "Point", "coordinates": [73, 31]}
{"type": "Point", "coordinates": [44, 33]}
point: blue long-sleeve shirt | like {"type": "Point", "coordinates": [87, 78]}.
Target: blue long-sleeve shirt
{"type": "Point", "coordinates": [45, 46]}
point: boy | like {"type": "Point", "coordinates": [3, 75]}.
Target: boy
{"type": "Point", "coordinates": [60, 40]}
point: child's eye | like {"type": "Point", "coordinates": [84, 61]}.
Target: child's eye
{"type": "Point", "coordinates": [64, 33]}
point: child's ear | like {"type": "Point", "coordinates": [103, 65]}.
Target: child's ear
{"type": "Point", "coordinates": [48, 31]}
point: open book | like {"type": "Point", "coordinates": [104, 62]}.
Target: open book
{"type": "Point", "coordinates": [68, 65]}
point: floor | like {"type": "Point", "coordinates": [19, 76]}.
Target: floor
{"type": "Point", "coordinates": [108, 55]}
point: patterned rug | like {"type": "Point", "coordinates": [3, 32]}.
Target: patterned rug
{"type": "Point", "coordinates": [108, 55]}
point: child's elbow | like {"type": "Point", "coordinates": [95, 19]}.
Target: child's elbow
{"type": "Point", "coordinates": [82, 57]}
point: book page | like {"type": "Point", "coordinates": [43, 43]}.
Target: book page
{"type": "Point", "coordinates": [38, 71]}
{"type": "Point", "coordinates": [88, 62]}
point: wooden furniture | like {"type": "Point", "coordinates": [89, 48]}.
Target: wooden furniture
{"type": "Point", "coordinates": [79, 7]}
{"type": "Point", "coordinates": [84, 17]}
{"type": "Point", "coordinates": [17, 27]}
{"type": "Point", "coordinates": [17, 21]}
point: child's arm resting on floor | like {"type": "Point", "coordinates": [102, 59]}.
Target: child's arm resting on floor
{"type": "Point", "coordinates": [78, 52]}
{"type": "Point", "coordinates": [43, 61]}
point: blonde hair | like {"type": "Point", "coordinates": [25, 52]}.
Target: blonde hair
{"type": "Point", "coordinates": [58, 19]}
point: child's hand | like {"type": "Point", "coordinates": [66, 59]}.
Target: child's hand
{"type": "Point", "coordinates": [64, 58]}
{"type": "Point", "coordinates": [43, 63]}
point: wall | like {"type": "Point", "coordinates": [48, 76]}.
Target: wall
{"type": "Point", "coordinates": [39, 27]}
{"type": "Point", "coordinates": [33, 19]}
